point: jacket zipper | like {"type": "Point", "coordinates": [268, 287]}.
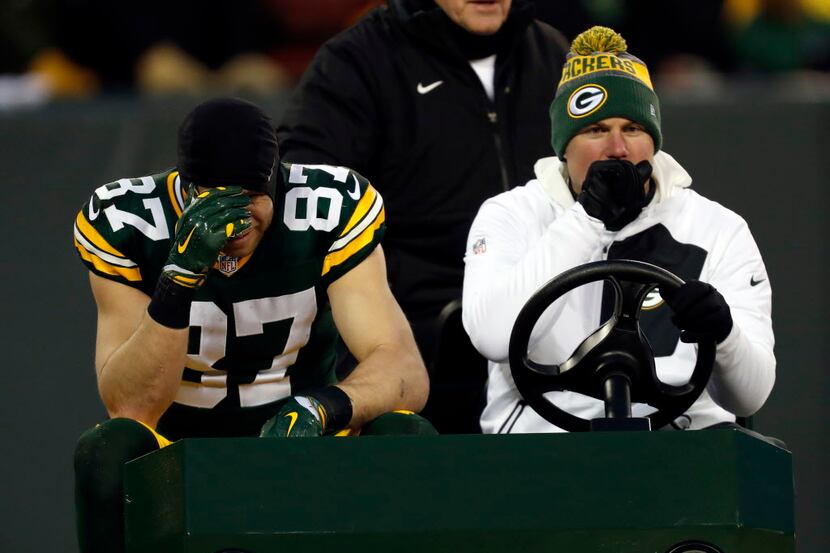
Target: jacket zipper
{"type": "Point", "coordinates": [494, 122]}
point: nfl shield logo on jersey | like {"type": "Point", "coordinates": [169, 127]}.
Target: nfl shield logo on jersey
{"type": "Point", "coordinates": [480, 246]}
{"type": "Point", "coordinates": [227, 264]}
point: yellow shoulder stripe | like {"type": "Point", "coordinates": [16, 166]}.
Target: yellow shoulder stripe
{"type": "Point", "coordinates": [336, 258]}
{"type": "Point", "coordinates": [132, 274]}
{"type": "Point", "coordinates": [162, 441]}
{"type": "Point", "coordinates": [93, 236]}
{"type": "Point", "coordinates": [171, 191]}
{"type": "Point", "coordinates": [362, 208]}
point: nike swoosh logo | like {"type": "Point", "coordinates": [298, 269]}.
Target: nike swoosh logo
{"type": "Point", "coordinates": [753, 282]}
{"type": "Point", "coordinates": [93, 213]}
{"type": "Point", "coordinates": [355, 194]}
{"type": "Point", "coordinates": [429, 88]}
{"type": "Point", "coordinates": [183, 246]}
{"type": "Point", "coordinates": [293, 416]}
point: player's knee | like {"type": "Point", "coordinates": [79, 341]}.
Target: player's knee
{"type": "Point", "coordinates": [102, 451]}
{"type": "Point", "coordinates": [398, 423]}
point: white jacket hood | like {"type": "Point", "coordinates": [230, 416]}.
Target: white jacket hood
{"type": "Point", "coordinates": [670, 177]}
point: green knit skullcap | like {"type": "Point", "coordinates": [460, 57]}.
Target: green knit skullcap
{"type": "Point", "coordinates": [600, 79]}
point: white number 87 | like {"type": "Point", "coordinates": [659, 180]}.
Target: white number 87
{"type": "Point", "coordinates": [311, 197]}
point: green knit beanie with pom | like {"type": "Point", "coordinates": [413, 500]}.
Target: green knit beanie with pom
{"type": "Point", "coordinates": [600, 79]}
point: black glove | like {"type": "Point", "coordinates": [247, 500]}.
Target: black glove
{"type": "Point", "coordinates": [699, 311]}
{"type": "Point", "coordinates": [614, 191]}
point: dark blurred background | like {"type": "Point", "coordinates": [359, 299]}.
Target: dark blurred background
{"type": "Point", "coordinates": [92, 91]}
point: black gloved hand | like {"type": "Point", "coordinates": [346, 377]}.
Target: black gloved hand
{"type": "Point", "coordinates": [614, 191]}
{"type": "Point", "coordinates": [699, 311]}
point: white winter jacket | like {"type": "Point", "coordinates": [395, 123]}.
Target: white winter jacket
{"type": "Point", "coordinates": [522, 238]}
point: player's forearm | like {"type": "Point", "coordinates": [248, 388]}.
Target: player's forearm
{"type": "Point", "coordinates": [140, 379]}
{"type": "Point", "coordinates": [389, 378]}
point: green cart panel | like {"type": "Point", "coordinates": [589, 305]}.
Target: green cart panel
{"type": "Point", "coordinates": [615, 492]}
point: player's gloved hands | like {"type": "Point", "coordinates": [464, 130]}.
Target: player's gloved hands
{"type": "Point", "coordinates": [699, 311]}
{"type": "Point", "coordinates": [299, 417]}
{"type": "Point", "coordinates": [614, 191]}
{"type": "Point", "coordinates": [210, 219]}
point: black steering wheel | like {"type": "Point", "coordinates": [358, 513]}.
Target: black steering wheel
{"type": "Point", "coordinates": [615, 363]}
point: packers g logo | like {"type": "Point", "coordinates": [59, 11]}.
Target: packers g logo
{"type": "Point", "coordinates": [586, 99]}
{"type": "Point", "coordinates": [653, 300]}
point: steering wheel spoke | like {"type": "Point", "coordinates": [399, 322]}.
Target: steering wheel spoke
{"type": "Point", "coordinates": [545, 378]}
{"type": "Point", "coordinates": [631, 296]}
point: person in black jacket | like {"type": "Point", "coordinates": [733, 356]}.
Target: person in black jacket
{"type": "Point", "coordinates": [441, 104]}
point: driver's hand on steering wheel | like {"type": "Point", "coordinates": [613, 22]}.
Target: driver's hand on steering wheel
{"type": "Point", "coordinates": [699, 311]}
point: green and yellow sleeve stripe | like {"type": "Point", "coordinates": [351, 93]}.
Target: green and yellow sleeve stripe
{"type": "Point", "coordinates": [96, 251]}
{"type": "Point", "coordinates": [367, 218]}
{"type": "Point", "coordinates": [174, 191]}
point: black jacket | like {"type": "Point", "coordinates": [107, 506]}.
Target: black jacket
{"type": "Point", "coordinates": [434, 155]}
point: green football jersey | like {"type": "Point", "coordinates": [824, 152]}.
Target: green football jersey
{"type": "Point", "coordinates": [261, 327]}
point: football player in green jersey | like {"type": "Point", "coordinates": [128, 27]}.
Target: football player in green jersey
{"type": "Point", "coordinates": [221, 290]}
